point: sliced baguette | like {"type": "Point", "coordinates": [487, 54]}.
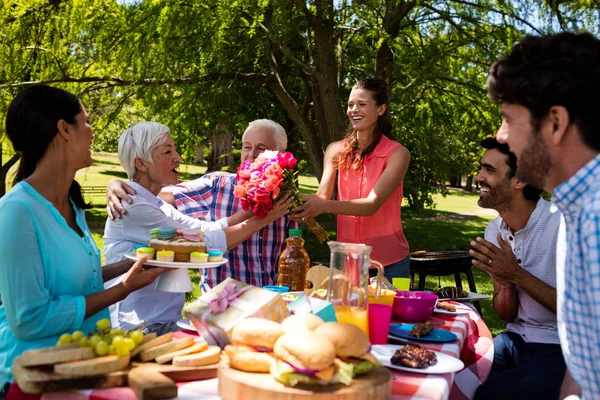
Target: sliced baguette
{"type": "Point", "coordinates": [94, 366]}
{"type": "Point", "coordinates": [211, 355]}
{"type": "Point", "coordinates": [195, 348]}
{"type": "Point", "coordinates": [55, 355]}
{"type": "Point", "coordinates": [165, 348]}
{"type": "Point", "coordinates": [152, 341]}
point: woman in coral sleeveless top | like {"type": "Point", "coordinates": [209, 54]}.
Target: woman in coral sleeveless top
{"type": "Point", "coordinates": [370, 170]}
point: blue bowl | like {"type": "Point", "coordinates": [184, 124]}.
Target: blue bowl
{"type": "Point", "coordinates": [278, 289]}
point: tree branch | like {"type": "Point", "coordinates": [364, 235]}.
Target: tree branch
{"type": "Point", "coordinates": [62, 70]}
{"type": "Point", "coordinates": [285, 50]}
{"type": "Point", "coordinates": [29, 11]}
{"type": "Point", "coordinates": [115, 81]}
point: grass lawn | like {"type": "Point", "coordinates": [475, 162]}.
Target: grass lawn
{"type": "Point", "coordinates": [450, 225]}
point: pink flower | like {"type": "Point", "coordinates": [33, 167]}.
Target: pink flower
{"type": "Point", "coordinates": [287, 160]}
{"type": "Point", "coordinates": [240, 191]}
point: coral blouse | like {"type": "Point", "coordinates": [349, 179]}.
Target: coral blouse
{"type": "Point", "coordinates": [383, 230]}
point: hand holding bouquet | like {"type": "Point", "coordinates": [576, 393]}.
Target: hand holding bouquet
{"type": "Point", "coordinates": [260, 183]}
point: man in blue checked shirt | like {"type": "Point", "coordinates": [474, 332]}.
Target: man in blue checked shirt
{"type": "Point", "coordinates": [549, 89]}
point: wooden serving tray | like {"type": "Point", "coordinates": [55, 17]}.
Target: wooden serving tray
{"type": "Point", "coordinates": [235, 384]}
{"type": "Point", "coordinates": [148, 379]}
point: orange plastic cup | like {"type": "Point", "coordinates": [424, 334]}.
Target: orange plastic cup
{"type": "Point", "coordinates": [387, 297]}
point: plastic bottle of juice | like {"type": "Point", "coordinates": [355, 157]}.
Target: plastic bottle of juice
{"type": "Point", "coordinates": [293, 262]}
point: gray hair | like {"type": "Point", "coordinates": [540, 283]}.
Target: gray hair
{"type": "Point", "coordinates": [278, 132]}
{"type": "Point", "coordinates": [138, 141]}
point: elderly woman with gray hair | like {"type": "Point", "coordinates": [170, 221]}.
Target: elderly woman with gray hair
{"type": "Point", "coordinates": [147, 153]}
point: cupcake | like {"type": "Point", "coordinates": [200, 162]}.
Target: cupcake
{"type": "Point", "coordinates": [198, 257]}
{"type": "Point", "coordinates": [215, 255]}
{"type": "Point", "coordinates": [165, 255]}
{"type": "Point", "coordinates": [145, 251]}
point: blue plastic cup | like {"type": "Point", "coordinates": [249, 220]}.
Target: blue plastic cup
{"type": "Point", "coordinates": [277, 289]}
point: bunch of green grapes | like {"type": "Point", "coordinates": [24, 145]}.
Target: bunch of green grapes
{"type": "Point", "coordinates": [105, 341]}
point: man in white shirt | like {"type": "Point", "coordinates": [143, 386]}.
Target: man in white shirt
{"type": "Point", "coordinates": [519, 254]}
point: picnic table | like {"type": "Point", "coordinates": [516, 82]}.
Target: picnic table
{"type": "Point", "coordinates": [474, 346]}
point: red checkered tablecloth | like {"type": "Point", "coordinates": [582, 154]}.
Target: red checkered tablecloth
{"type": "Point", "coordinates": [474, 347]}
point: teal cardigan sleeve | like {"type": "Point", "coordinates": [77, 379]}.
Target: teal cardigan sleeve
{"type": "Point", "coordinates": [31, 310]}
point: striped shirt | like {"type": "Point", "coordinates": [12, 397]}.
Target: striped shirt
{"type": "Point", "coordinates": [534, 246]}
{"type": "Point", "coordinates": [579, 308]}
{"type": "Point", "coordinates": [254, 261]}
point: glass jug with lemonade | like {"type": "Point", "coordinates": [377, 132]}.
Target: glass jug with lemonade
{"type": "Point", "coordinates": [348, 283]}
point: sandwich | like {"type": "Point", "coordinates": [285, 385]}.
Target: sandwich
{"type": "Point", "coordinates": [304, 357]}
{"type": "Point", "coordinates": [252, 345]}
{"type": "Point", "coordinates": [298, 322]}
{"type": "Point", "coordinates": [352, 346]}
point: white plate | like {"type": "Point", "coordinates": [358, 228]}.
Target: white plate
{"type": "Point", "coordinates": [180, 265]}
{"type": "Point", "coordinates": [445, 363]}
{"type": "Point", "coordinates": [471, 297]}
{"type": "Point", "coordinates": [460, 310]}
{"type": "Point", "coordinates": [186, 324]}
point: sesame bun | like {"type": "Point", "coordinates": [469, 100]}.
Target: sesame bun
{"type": "Point", "coordinates": [348, 340]}
{"type": "Point", "coordinates": [256, 332]}
{"type": "Point", "coordinates": [299, 322]}
{"type": "Point", "coordinates": [305, 350]}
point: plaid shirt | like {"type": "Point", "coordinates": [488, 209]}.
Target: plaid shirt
{"type": "Point", "coordinates": [579, 304]}
{"type": "Point", "coordinates": [255, 261]}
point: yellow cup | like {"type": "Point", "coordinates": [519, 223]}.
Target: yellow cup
{"type": "Point", "coordinates": [387, 297]}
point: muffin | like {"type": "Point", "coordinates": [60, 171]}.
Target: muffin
{"type": "Point", "coordinates": [165, 255]}
{"type": "Point", "coordinates": [215, 255]}
{"type": "Point", "coordinates": [145, 251]}
{"type": "Point", "coordinates": [198, 257]}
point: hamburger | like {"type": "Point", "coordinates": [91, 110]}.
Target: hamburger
{"type": "Point", "coordinates": [351, 345]}
{"type": "Point", "coordinates": [252, 345]}
{"type": "Point", "coordinates": [298, 322]}
{"type": "Point", "coordinates": [304, 357]}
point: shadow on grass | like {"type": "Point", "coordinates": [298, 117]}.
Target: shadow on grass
{"type": "Point", "coordinates": [116, 174]}
{"type": "Point", "coordinates": [308, 188]}
{"type": "Point", "coordinates": [106, 161]}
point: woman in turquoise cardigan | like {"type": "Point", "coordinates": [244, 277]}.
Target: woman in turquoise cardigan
{"type": "Point", "coordinates": [51, 281]}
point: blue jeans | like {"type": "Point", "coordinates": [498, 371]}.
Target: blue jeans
{"type": "Point", "coordinates": [523, 370]}
{"type": "Point", "coordinates": [400, 269]}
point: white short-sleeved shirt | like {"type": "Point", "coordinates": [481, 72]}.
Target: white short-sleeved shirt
{"type": "Point", "coordinates": [121, 235]}
{"type": "Point", "coordinates": [535, 248]}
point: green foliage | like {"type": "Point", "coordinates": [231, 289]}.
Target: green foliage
{"type": "Point", "coordinates": [198, 65]}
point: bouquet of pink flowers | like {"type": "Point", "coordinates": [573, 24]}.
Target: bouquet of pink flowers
{"type": "Point", "coordinates": [260, 183]}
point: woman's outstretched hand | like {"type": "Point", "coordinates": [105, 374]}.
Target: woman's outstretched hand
{"type": "Point", "coordinates": [140, 275]}
{"type": "Point", "coordinates": [312, 207]}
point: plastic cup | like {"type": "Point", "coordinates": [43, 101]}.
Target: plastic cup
{"type": "Point", "coordinates": [387, 297]}
{"type": "Point", "coordinates": [380, 317]}
{"type": "Point", "coordinates": [277, 289]}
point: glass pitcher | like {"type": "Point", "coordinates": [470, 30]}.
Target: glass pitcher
{"type": "Point", "coordinates": [348, 283]}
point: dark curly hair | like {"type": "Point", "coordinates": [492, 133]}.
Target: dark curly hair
{"type": "Point", "coordinates": [553, 70]}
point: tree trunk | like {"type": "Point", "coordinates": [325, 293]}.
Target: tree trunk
{"type": "Point", "coordinates": [469, 183]}
{"type": "Point", "coordinates": [329, 113]}
{"type": "Point", "coordinates": [199, 153]}
{"type": "Point", "coordinates": [221, 151]}
{"type": "Point", "coordinates": [305, 127]}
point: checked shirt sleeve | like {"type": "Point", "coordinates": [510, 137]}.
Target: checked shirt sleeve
{"type": "Point", "coordinates": [192, 198]}
{"type": "Point", "coordinates": [590, 235]}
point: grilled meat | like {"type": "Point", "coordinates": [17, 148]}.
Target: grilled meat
{"type": "Point", "coordinates": [444, 305]}
{"type": "Point", "coordinates": [414, 357]}
{"type": "Point", "coordinates": [421, 330]}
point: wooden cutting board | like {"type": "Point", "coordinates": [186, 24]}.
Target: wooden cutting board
{"type": "Point", "coordinates": [234, 384]}
{"type": "Point", "coordinates": [42, 378]}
